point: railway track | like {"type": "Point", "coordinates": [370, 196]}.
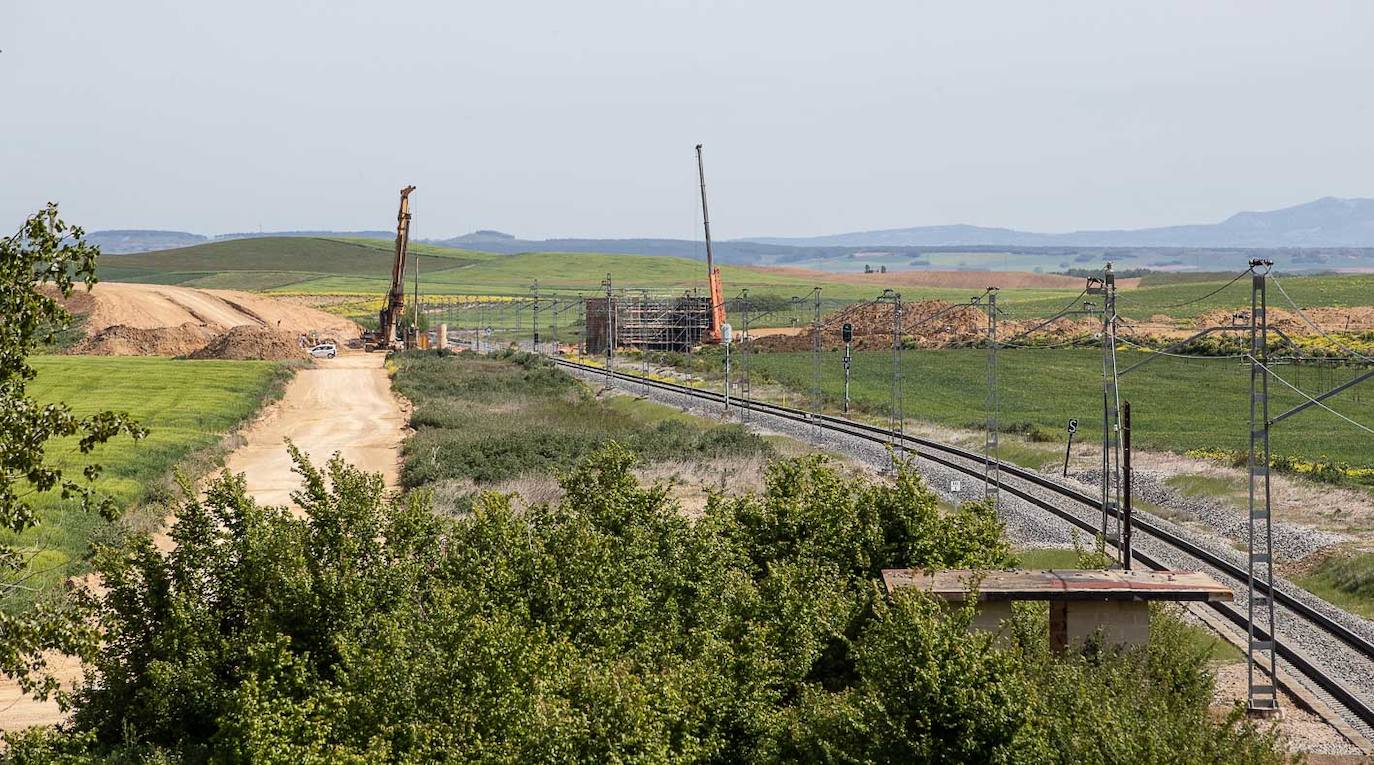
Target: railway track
{"type": "Point", "coordinates": [972, 463]}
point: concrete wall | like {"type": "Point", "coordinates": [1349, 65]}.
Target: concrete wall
{"type": "Point", "coordinates": [1121, 622]}
{"type": "Point", "coordinates": [1072, 622]}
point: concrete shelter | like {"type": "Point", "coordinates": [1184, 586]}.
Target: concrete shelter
{"type": "Point", "coordinates": [1116, 603]}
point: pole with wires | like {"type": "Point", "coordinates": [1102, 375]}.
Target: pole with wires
{"type": "Point", "coordinates": [897, 421]}
{"type": "Point", "coordinates": [725, 339]}
{"type": "Point", "coordinates": [1111, 412]}
{"type": "Point", "coordinates": [817, 402]}
{"type": "Point", "coordinates": [534, 292]}
{"type": "Point", "coordinates": [992, 474]}
{"type": "Point", "coordinates": [553, 326]}
{"type": "Point", "coordinates": [644, 344]}
{"type": "Point", "coordinates": [1126, 485]}
{"type": "Point", "coordinates": [744, 352]}
{"type": "Point", "coordinates": [610, 330]}
{"type": "Point", "coordinates": [1261, 677]}
{"type": "Point", "coordinates": [415, 329]}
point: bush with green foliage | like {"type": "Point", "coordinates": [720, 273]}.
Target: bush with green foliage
{"type": "Point", "coordinates": [606, 628]}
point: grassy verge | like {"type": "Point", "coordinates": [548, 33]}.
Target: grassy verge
{"type": "Point", "coordinates": [187, 407]}
{"type": "Point", "coordinates": [1047, 558]}
{"type": "Point", "coordinates": [1345, 580]}
{"type": "Point", "coordinates": [486, 420]}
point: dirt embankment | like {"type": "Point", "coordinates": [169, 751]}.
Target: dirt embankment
{"type": "Point", "coordinates": [1351, 319]}
{"type": "Point", "coordinates": [247, 342]}
{"type": "Point", "coordinates": [164, 320]}
{"type": "Point", "coordinates": [955, 324]}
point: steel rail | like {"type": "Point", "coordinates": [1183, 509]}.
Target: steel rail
{"type": "Point", "coordinates": [1356, 705]}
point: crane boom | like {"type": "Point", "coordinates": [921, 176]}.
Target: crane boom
{"type": "Point", "coordinates": [717, 315]}
{"type": "Point", "coordinates": [390, 315]}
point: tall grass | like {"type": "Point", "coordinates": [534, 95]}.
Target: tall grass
{"type": "Point", "coordinates": [486, 420]}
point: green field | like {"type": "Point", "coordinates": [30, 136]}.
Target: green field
{"type": "Point", "coordinates": [186, 406]}
{"type": "Point", "coordinates": [1159, 294]}
{"type": "Point", "coordinates": [1177, 404]}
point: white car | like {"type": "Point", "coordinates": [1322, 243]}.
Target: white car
{"type": "Point", "coordinates": [324, 351]}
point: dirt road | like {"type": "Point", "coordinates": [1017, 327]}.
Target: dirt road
{"type": "Point", "coordinates": [341, 405]}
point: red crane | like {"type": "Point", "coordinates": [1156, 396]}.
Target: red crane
{"type": "Point", "coordinates": [714, 331]}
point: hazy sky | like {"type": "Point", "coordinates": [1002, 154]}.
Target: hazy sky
{"type": "Point", "coordinates": [560, 118]}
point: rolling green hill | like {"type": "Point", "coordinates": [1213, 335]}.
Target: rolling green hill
{"type": "Point", "coordinates": [272, 262]}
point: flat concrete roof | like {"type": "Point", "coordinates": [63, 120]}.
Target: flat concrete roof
{"type": "Point", "coordinates": [1059, 584]}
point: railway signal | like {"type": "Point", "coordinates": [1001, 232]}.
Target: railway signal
{"type": "Point", "coordinates": [847, 334]}
{"type": "Point", "coordinates": [727, 334]}
{"type": "Point", "coordinates": [1072, 428]}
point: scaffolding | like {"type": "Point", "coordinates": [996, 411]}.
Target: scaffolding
{"type": "Point", "coordinates": [647, 322]}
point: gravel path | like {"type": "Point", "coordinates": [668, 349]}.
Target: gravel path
{"type": "Point", "coordinates": [1030, 526]}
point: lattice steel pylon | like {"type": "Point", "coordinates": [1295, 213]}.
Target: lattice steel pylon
{"type": "Point", "coordinates": [1111, 415]}
{"type": "Point", "coordinates": [992, 473]}
{"type": "Point", "coordinates": [817, 402]}
{"type": "Point", "coordinates": [481, 327]}
{"type": "Point", "coordinates": [1261, 694]}
{"type": "Point", "coordinates": [897, 422]}
{"type": "Point", "coordinates": [553, 326]}
{"type": "Point", "coordinates": [744, 353]}
{"type": "Point", "coordinates": [610, 330]}
{"type": "Point", "coordinates": [534, 320]}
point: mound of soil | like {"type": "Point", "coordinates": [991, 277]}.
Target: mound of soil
{"type": "Point", "coordinates": [1329, 319]}
{"type": "Point", "coordinates": [920, 328]}
{"type": "Point", "coordinates": [873, 327]}
{"type": "Point", "coordinates": [123, 340]}
{"type": "Point", "coordinates": [249, 342]}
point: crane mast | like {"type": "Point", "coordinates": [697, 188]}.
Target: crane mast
{"type": "Point", "coordinates": [390, 316]}
{"type": "Point", "coordinates": [717, 314]}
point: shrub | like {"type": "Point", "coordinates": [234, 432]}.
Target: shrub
{"type": "Point", "coordinates": [605, 628]}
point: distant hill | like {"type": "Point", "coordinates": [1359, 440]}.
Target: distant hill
{"type": "Point", "coordinates": [742, 252]}
{"type": "Point", "coordinates": [313, 234]}
{"type": "Point", "coordinates": [141, 240]}
{"type": "Point", "coordinates": [125, 241]}
{"type": "Point", "coordinates": [1327, 234]}
{"type": "Point", "coordinates": [1326, 222]}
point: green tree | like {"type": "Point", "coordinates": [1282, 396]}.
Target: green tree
{"type": "Point", "coordinates": [44, 251]}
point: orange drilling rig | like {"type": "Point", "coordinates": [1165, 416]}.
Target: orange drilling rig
{"type": "Point", "coordinates": [714, 332]}
{"type": "Point", "coordinates": [391, 335]}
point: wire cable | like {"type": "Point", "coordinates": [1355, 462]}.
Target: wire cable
{"type": "Point", "coordinates": [1062, 312]}
{"type": "Point", "coordinates": [1300, 392]}
{"type": "Point", "coordinates": [1313, 326]}
{"type": "Point", "coordinates": [1239, 276]}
